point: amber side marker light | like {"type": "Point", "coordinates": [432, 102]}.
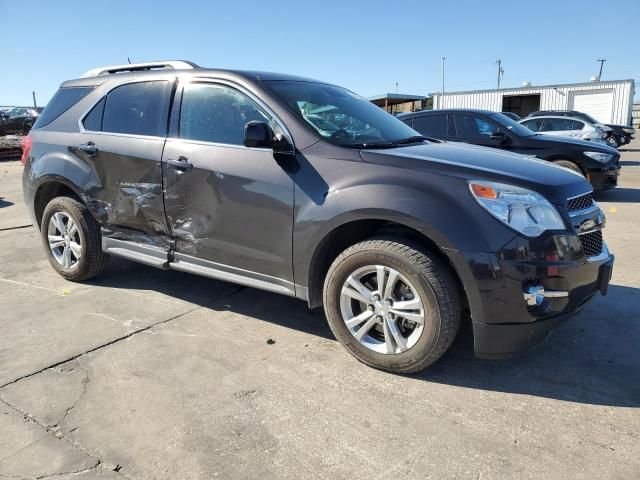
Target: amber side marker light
{"type": "Point", "coordinates": [483, 191]}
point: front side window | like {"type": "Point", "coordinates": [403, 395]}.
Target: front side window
{"type": "Point", "coordinates": [136, 109]}
{"type": "Point", "coordinates": [557, 124]}
{"type": "Point", "coordinates": [431, 125]}
{"type": "Point", "coordinates": [217, 114]}
{"type": "Point", "coordinates": [340, 116]}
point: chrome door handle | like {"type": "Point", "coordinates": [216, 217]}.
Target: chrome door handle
{"type": "Point", "coordinates": [181, 163]}
{"type": "Point", "coordinates": [89, 148]}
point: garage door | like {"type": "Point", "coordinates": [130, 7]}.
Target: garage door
{"type": "Point", "coordinates": [597, 104]}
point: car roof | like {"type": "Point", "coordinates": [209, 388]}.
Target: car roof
{"type": "Point", "coordinates": [251, 75]}
{"type": "Point", "coordinates": [563, 117]}
{"type": "Point", "coordinates": [448, 110]}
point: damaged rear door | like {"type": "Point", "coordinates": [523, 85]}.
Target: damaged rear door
{"type": "Point", "coordinates": [230, 207]}
{"type": "Point", "coordinates": [122, 141]}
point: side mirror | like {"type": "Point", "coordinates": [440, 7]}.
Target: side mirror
{"type": "Point", "coordinates": [258, 135]}
{"type": "Point", "coordinates": [499, 137]}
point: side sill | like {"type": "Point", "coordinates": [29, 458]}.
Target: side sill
{"type": "Point", "coordinates": [187, 263]}
{"type": "Point", "coordinates": [138, 252]}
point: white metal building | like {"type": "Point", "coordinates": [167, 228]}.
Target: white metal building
{"type": "Point", "coordinates": [607, 101]}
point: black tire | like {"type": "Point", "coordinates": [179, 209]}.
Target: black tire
{"type": "Point", "coordinates": [612, 140]}
{"type": "Point", "coordinates": [93, 260]}
{"type": "Point", "coordinates": [570, 165]}
{"type": "Point", "coordinates": [27, 128]}
{"type": "Point", "coordinates": [436, 287]}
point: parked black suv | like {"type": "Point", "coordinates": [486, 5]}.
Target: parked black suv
{"type": "Point", "coordinates": [223, 174]}
{"type": "Point", "coordinates": [618, 136]}
{"type": "Point", "coordinates": [598, 163]}
{"type": "Point", "coordinates": [18, 120]}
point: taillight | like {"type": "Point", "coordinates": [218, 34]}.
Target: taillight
{"type": "Point", "coordinates": [26, 144]}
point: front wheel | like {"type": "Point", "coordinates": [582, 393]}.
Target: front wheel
{"type": "Point", "coordinates": [394, 305]}
{"type": "Point", "coordinates": [613, 141]}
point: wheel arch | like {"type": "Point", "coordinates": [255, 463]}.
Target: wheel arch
{"type": "Point", "coordinates": [49, 188]}
{"type": "Point", "coordinates": [352, 231]}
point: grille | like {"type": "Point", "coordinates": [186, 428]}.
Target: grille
{"type": "Point", "coordinates": [580, 203]}
{"type": "Point", "coordinates": [592, 243]}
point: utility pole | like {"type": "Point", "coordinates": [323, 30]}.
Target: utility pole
{"type": "Point", "coordinates": [35, 105]}
{"type": "Point", "coordinates": [442, 93]}
{"type": "Point", "coordinates": [500, 71]}
{"type": "Point", "coordinates": [601, 60]}
{"type": "Point", "coordinates": [396, 87]}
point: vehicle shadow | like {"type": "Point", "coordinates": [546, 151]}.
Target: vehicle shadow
{"type": "Point", "coordinates": [592, 359]}
{"type": "Point", "coordinates": [619, 195]}
{"type": "Point", "coordinates": [5, 203]}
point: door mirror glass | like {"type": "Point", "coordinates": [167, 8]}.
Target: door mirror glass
{"type": "Point", "coordinates": [258, 135]}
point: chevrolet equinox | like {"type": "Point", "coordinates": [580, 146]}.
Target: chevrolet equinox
{"type": "Point", "coordinates": [306, 189]}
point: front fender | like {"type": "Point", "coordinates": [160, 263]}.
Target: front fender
{"type": "Point", "coordinates": [444, 212]}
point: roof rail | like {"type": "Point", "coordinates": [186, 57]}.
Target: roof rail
{"type": "Point", "coordinates": [139, 67]}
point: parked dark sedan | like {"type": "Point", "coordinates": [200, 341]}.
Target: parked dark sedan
{"type": "Point", "coordinates": [18, 120]}
{"type": "Point", "coordinates": [619, 135]}
{"type": "Point", "coordinates": [598, 163]}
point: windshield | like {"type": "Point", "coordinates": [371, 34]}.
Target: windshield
{"type": "Point", "coordinates": [341, 116]}
{"type": "Point", "coordinates": [512, 125]}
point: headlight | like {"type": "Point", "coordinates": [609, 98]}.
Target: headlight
{"type": "Point", "coordinates": [629, 130]}
{"type": "Point", "coordinates": [599, 157]}
{"type": "Point", "coordinates": [523, 210]}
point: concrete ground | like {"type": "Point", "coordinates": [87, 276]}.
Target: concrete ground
{"type": "Point", "coordinates": [150, 374]}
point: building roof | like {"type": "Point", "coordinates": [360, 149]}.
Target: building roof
{"type": "Point", "coordinates": [539, 87]}
{"type": "Point", "coordinates": [394, 98]}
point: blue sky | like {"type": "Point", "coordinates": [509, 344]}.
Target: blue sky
{"type": "Point", "coordinates": [366, 46]}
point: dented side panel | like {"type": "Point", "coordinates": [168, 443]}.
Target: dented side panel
{"type": "Point", "coordinates": [234, 208]}
{"type": "Point", "coordinates": [125, 194]}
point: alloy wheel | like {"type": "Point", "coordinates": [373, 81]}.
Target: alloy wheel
{"type": "Point", "coordinates": [64, 240]}
{"type": "Point", "coordinates": [382, 309]}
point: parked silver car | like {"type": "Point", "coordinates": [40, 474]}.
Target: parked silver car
{"type": "Point", "coordinates": [566, 126]}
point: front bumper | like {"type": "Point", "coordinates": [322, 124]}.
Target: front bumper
{"type": "Point", "coordinates": [604, 178]}
{"type": "Point", "coordinates": [503, 323]}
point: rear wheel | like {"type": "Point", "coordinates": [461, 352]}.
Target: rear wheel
{"type": "Point", "coordinates": [392, 304]}
{"type": "Point", "coordinates": [72, 240]}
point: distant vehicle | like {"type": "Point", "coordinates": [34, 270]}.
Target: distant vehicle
{"type": "Point", "coordinates": [4, 117]}
{"type": "Point", "coordinates": [617, 135]}
{"type": "Point", "coordinates": [512, 116]}
{"type": "Point", "coordinates": [565, 126]}
{"type": "Point", "coordinates": [18, 120]}
{"type": "Point", "coordinates": [598, 163]}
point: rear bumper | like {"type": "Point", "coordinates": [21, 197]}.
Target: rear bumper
{"type": "Point", "coordinates": [503, 323]}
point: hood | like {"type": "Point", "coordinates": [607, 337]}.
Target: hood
{"type": "Point", "coordinates": [473, 162]}
{"type": "Point", "coordinates": [582, 144]}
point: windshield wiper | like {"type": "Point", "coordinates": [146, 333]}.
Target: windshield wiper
{"type": "Point", "coordinates": [413, 139]}
{"type": "Point", "coordinates": [369, 145]}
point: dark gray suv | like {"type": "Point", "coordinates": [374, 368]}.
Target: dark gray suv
{"type": "Point", "coordinates": [307, 189]}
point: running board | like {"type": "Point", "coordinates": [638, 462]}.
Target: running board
{"type": "Point", "coordinates": [138, 252]}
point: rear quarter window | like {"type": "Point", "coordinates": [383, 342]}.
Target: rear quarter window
{"type": "Point", "coordinates": [63, 100]}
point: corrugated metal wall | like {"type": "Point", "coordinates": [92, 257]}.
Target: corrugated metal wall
{"type": "Point", "coordinates": [551, 98]}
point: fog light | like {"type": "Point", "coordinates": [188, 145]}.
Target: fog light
{"type": "Point", "coordinates": [535, 294]}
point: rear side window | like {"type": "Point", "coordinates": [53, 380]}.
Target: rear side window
{"type": "Point", "coordinates": [136, 109]}
{"type": "Point", "coordinates": [93, 121]}
{"type": "Point", "coordinates": [63, 100]}
{"type": "Point", "coordinates": [431, 125]}
{"type": "Point", "coordinates": [557, 124]}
